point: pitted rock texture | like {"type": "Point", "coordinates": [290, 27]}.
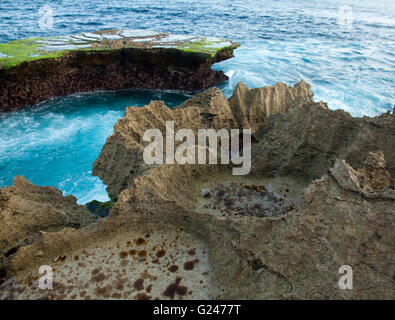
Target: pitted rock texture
{"type": "Point", "coordinates": [252, 106]}
{"type": "Point", "coordinates": [296, 255]}
{"type": "Point", "coordinates": [26, 210]}
{"type": "Point", "coordinates": [140, 264]}
{"type": "Point", "coordinates": [121, 158]}
{"type": "Point", "coordinates": [307, 139]}
{"type": "Point", "coordinates": [344, 217]}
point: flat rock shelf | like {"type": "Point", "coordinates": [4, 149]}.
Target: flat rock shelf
{"type": "Point", "coordinates": [33, 70]}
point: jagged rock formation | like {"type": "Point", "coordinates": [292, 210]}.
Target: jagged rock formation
{"type": "Point", "coordinates": [121, 158]}
{"type": "Point", "coordinates": [38, 69]}
{"type": "Point", "coordinates": [296, 255]}
{"type": "Point", "coordinates": [287, 235]}
{"type": "Point", "coordinates": [308, 138]}
{"type": "Point", "coordinates": [252, 106]}
{"type": "Point", "coordinates": [26, 210]}
{"type": "Point", "coordinates": [296, 135]}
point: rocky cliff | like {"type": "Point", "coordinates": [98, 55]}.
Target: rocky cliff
{"type": "Point", "coordinates": [32, 70]}
{"type": "Point", "coordinates": [320, 195]}
{"type": "Point", "coordinates": [210, 109]}
{"type": "Point", "coordinates": [26, 210]}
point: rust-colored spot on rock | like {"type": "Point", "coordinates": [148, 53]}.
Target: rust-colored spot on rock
{"type": "Point", "coordinates": [139, 284]}
{"type": "Point", "coordinates": [173, 268]}
{"type": "Point", "coordinates": [99, 277]}
{"type": "Point", "coordinates": [139, 241]}
{"type": "Point", "coordinates": [103, 291]}
{"type": "Point", "coordinates": [190, 265]}
{"type": "Point", "coordinates": [142, 253]}
{"type": "Point", "coordinates": [143, 296]}
{"type": "Point", "coordinates": [174, 288]}
{"type": "Point", "coordinates": [160, 253]}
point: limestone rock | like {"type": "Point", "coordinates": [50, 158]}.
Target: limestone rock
{"type": "Point", "coordinates": [292, 251]}
{"type": "Point", "coordinates": [307, 138]}
{"type": "Point", "coordinates": [38, 69]}
{"type": "Point", "coordinates": [296, 255]}
{"type": "Point", "coordinates": [121, 158]}
{"type": "Point", "coordinates": [252, 106]}
{"type": "Point", "coordinates": [26, 210]}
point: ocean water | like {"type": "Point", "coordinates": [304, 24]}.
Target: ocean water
{"type": "Point", "coordinates": [344, 49]}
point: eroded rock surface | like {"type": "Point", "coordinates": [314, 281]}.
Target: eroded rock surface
{"type": "Point", "coordinates": [121, 158]}
{"type": "Point", "coordinates": [141, 264]}
{"type": "Point", "coordinates": [307, 139]}
{"type": "Point", "coordinates": [252, 106]}
{"type": "Point", "coordinates": [38, 69]}
{"type": "Point", "coordinates": [295, 255]}
{"type": "Point", "coordinates": [26, 210]}
{"type": "Point", "coordinates": [276, 233]}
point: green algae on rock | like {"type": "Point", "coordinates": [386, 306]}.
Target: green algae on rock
{"type": "Point", "coordinates": [19, 51]}
{"type": "Point", "coordinates": [33, 70]}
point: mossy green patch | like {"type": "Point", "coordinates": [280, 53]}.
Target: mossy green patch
{"type": "Point", "coordinates": [18, 51]}
{"type": "Point", "coordinates": [206, 46]}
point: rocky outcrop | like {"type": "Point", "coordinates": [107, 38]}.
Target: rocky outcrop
{"type": "Point", "coordinates": [296, 255]}
{"type": "Point", "coordinates": [307, 139]}
{"type": "Point", "coordinates": [26, 210]}
{"type": "Point", "coordinates": [252, 106]}
{"type": "Point", "coordinates": [275, 234]}
{"type": "Point", "coordinates": [107, 60]}
{"type": "Point", "coordinates": [121, 158]}
{"type": "Point", "coordinates": [295, 135]}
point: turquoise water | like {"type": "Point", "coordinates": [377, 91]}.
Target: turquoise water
{"type": "Point", "coordinates": [56, 143]}
{"type": "Point", "coordinates": [350, 66]}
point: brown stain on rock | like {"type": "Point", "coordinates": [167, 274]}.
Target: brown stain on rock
{"type": "Point", "coordinates": [173, 268]}
{"type": "Point", "coordinates": [103, 291]}
{"type": "Point", "coordinates": [143, 296]}
{"type": "Point", "coordinates": [190, 265]}
{"type": "Point", "coordinates": [174, 288]}
{"type": "Point", "coordinates": [139, 284]}
{"type": "Point", "coordinates": [139, 241]}
{"type": "Point", "coordinates": [142, 254]}
{"type": "Point", "coordinates": [160, 253]}
{"type": "Point", "coordinates": [99, 277]}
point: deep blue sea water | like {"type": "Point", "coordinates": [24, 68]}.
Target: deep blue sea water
{"type": "Point", "coordinates": [349, 62]}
